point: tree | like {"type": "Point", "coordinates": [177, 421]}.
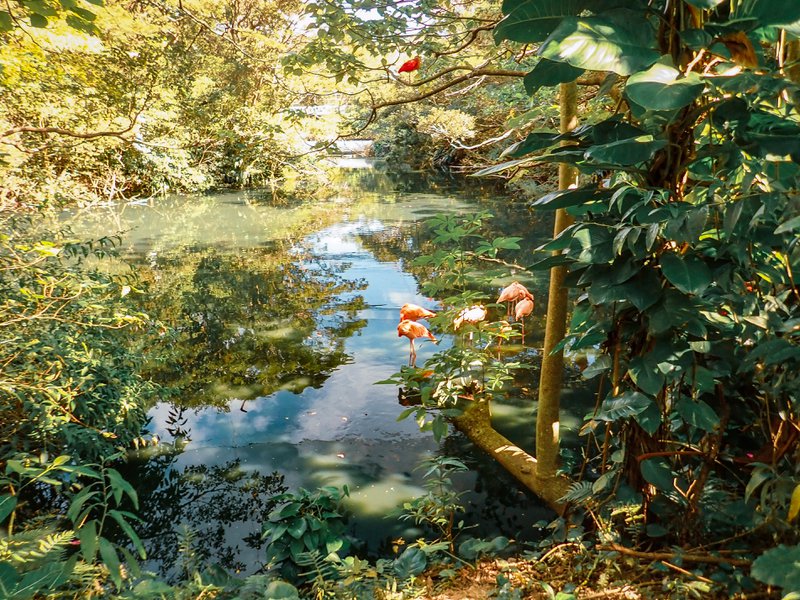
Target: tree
{"type": "Point", "coordinates": [684, 249]}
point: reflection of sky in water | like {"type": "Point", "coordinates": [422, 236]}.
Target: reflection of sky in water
{"type": "Point", "coordinates": [346, 431]}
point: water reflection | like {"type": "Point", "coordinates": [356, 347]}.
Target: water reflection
{"type": "Point", "coordinates": [290, 312]}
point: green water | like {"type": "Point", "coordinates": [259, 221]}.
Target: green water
{"type": "Point", "coordinates": [281, 318]}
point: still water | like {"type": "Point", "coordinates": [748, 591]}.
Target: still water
{"type": "Point", "coordinates": [279, 319]}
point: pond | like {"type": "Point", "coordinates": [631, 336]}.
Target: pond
{"type": "Point", "coordinates": [279, 319]}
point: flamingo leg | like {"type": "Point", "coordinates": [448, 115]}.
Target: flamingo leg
{"type": "Point", "coordinates": [412, 358]}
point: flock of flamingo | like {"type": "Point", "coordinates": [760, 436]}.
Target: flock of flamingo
{"type": "Point", "coordinates": [518, 299]}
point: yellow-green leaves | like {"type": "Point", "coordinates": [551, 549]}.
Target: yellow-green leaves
{"type": "Point", "coordinates": [620, 41]}
{"type": "Point", "coordinates": [661, 87]}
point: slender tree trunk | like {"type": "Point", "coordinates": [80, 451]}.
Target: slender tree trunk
{"type": "Point", "coordinates": [793, 60]}
{"type": "Point", "coordinates": [547, 421]}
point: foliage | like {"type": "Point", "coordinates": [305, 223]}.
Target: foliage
{"type": "Point", "coordinates": [69, 383]}
{"type": "Point", "coordinates": [474, 367]}
{"type": "Point", "coordinates": [151, 99]}
{"type": "Point", "coordinates": [683, 253]}
{"type": "Point", "coordinates": [306, 521]}
{"type": "Point", "coordinates": [438, 508]}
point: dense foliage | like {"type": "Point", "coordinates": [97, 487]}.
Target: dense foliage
{"type": "Point", "coordinates": [683, 255]}
{"type": "Point", "coordinates": [682, 258]}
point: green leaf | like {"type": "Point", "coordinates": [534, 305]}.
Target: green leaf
{"type": "Point", "coordinates": [410, 563]}
{"type": "Point", "coordinates": [626, 152]}
{"type": "Point", "coordinates": [38, 20]}
{"type": "Point", "coordinates": [119, 486]}
{"type": "Point", "coordinates": [549, 73]}
{"type": "Point", "coordinates": [280, 590]}
{"type": "Point", "coordinates": [111, 561]}
{"type": "Point", "coordinates": [780, 567]}
{"type": "Point", "coordinates": [47, 578]}
{"type": "Point", "coordinates": [769, 12]}
{"type": "Point", "coordinates": [645, 375]}
{"type": "Point", "coordinates": [661, 87]}
{"type": "Point", "coordinates": [657, 472]}
{"type": "Point", "coordinates": [81, 24]}
{"type": "Point", "coordinates": [649, 419]}
{"type": "Point", "coordinates": [533, 20]}
{"type": "Point", "coordinates": [6, 23]}
{"type": "Point", "coordinates": [119, 517]}
{"type": "Point", "coordinates": [565, 198]}
{"type": "Point", "coordinates": [619, 41]}
{"type": "Point", "coordinates": [9, 579]}
{"type": "Point", "coordinates": [499, 168]}
{"type": "Point", "coordinates": [699, 414]}
{"type": "Point", "coordinates": [297, 528]}
{"type": "Point", "coordinates": [689, 274]}
{"type": "Point", "coordinates": [789, 225]}
{"type": "Point", "coordinates": [87, 535]}
{"type": "Point", "coordinates": [628, 404]}
{"type": "Point", "coordinates": [7, 505]}
{"type": "Point", "coordinates": [76, 505]}
{"type": "Point", "coordinates": [537, 140]}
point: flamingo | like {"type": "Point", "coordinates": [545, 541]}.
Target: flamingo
{"type": "Point", "coordinates": [413, 330]}
{"type": "Point", "coordinates": [472, 316]}
{"type": "Point", "coordinates": [523, 309]}
{"type": "Point", "coordinates": [413, 312]}
{"type": "Point", "coordinates": [513, 293]}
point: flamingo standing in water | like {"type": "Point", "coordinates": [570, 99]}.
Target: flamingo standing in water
{"type": "Point", "coordinates": [513, 293]}
{"type": "Point", "coordinates": [413, 330]}
{"type": "Point", "coordinates": [472, 316]}
{"type": "Point", "coordinates": [414, 312]}
{"type": "Point", "coordinates": [523, 309]}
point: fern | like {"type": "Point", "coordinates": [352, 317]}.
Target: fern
{"type": "Point", "coordinates": [321, 572]}
{"type": "Point", "coordinates": [578, 492]}
{"type": "Point", "coordinates": [35, 547]}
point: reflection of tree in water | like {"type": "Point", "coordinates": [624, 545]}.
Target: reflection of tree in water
{"type": "Point", "coordinates": [202, 504]}
{"type": "Point", "coordinates": [250, 323]}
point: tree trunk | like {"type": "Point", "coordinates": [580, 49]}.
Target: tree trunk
{"type": "Point", "coordinates": [547, 421]}
{"type": "Point", "coordinates": [476, 423]}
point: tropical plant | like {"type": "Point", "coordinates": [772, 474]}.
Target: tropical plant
{"type": "Point", "coordinates": [438, 508]}
{"type": "Point", "coordinates": [306, 521]}
{"type": "Point", "coordinates": [684, 249]}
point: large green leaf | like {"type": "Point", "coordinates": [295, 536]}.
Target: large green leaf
{"type": "Point", "coordinates": [779, 567]}
{"type": "Point", "coordinates": [548, 73]}
{"type": "Point", "coordinates": [699, 414]}
{"type": "Point", "coordinates": [645, 375]}
{"type": "Point", "coordinates": [657, 472]}
{"type": "Point", "coordinates": [661, 87]}
{"type": "Point", "coordinates": [620, 41]}
{"type": "Point", "coordinates": [689, 274]}
{"type": "Point", "coordinates": [536, 140]}
{"type": "Point", "coordinates": [628, 404]}
{"type": "Point", "coordinates": [625, 152]}
{"type": "Point", "coordinates": [565, 198]}
{"type": "Point", "coordinates": [411, 562]}
{"type": "Point", "coordinates": [533, 20]}
{"type": "Point", "coordinates": [769, 12]}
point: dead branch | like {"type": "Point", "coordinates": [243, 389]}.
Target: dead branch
{"type": "Point", "coordinates": [661, 556]}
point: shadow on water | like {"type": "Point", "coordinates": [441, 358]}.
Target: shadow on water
{"type": "Point", "coordinates": [279, 319]}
